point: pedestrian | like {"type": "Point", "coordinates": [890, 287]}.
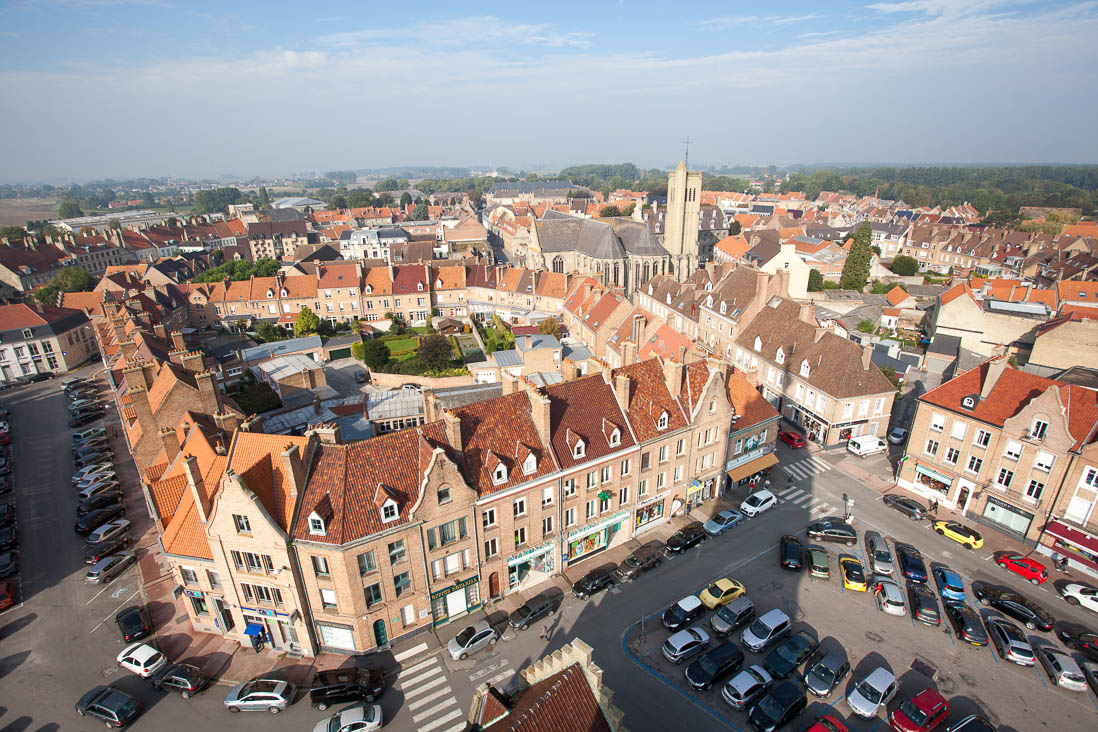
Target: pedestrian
{"type": "Point", "coordinates": [934, 507]}
{"type": "Point", "coordinates": [544, 632]}
{"type": "Point", "coordinates": [255, 642]}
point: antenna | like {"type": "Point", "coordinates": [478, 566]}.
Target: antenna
{"type": "Point", "coordinates": [686, 155]}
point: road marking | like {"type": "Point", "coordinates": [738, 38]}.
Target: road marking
{"type": "Point", "coordinates": [791, 493]}
{"type": "Point", "coordinates": [444, 704]}
{"type": "Point", "coordinates": [413, 651]}
{"type": "Point", "coordinates": [115, 611]}
{"type": "Point", "coordinates": [430, 698]}
{"type": "Point", "coordinates": [501, 676]}
{"type": "Point", "coordinates": [420, 677]}
{"type": "Point", "coordinates": [426, 687]}
{"type": "Point", "coordinates": [459, 727]}
{"type": "Point", "coordinates": [440, 721]}
{"type": "Point", "coordinates": [488, 669]}
{"type": "Point", "coordinates": [418, 666]}
{"type": "Point", "coordinates": [89, 602]}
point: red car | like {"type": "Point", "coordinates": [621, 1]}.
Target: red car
{"type": "Point", "coordinates": [7, 595]}
{"type": "Point", "coordinates": [791, 438]}
{"type": "Point", "coordinates": [828, 723]}
{"type": "Point", "coordinates": [921, 713]}
{"type": "Point", "coordinates": [1024, 567]}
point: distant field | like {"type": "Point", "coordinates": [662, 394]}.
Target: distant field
{"type": "Point", "coordinates": [18, 211]}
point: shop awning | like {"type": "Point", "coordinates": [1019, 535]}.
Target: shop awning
{"type": "Point", "coordinates": [760, 463]}
{"type": "Point", "coordinates": [1072, 536]}
{"type": "Point", "coordinates": [932, 473]}
{"type": "Point", "coordinates": [253, 629]}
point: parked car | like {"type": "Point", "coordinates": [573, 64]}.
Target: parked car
{"type": "Point", "coordinates": [872, 693]}
{"type": "Point", "coordinates": [923, 604]}
{"type": "Point", "coordinates": [83, 418]}
{"type": "Point", "coordinates": [359, 718]}
{"type": "Point", "coordinates": [907, 506]}
{"type": "Point", "coordinates": [101, 499]}
{"type": "Point", "coordinates": [89, 471]}
{"type": "Point", "coordinates": [94, 519]}
{"type": "Point", "coordinates": [104, 549]}
{"type": "Point", "coordinates": [878, 555]}
{"type": "Point", "coordinates": [684, 644]}
{"type": "Point", "coordinates": [88, 434]}
{"type": "Point", "coordinates": [185, 678]}
{"type": "Point", "coordinates": [9, 537]}
{"type": "Point", "coordinates": [713, 665]}
{"type": "Point", "coordinates": [94, 445]}
{"type": "Point", "coordinates": [101, 482]}
{"type": "Point", "coordinates": [1011, 603]}
{"type": "Point", "coordinates": [791, 438]}
{"type": "Point", "coordinates": [791, 553]}
{"type": "Point", "coordinates": [780, 705]}
{"type": "Point", "coordinates": [9, 563]}
{"type": "Point", "coordinates": [641, 560]}
{"type": "Point", "coordinates": [35, 378]}
{"type": "Point", "coordinates": [1077, 593]}
{"type": "Point", "coordinates": [342, 685]}
{"type": "Point", "coordinates": [966, 536]}
{"type": "Point", "coordinates": [819, 562]}
{"type": "Point", "coordinates": [767, 630]}
{"type": "Point", "coordinates": [109, 705]}
{"type": "Point", "coordinates": [133, 623]}
{"type": "Point", "coordinates": [920, 713]}
{"type": "Point", "coordinates": [745, 687]}
{"type": "Point", "coordinates": [723, 591]}
{"type": "Point", "coordinates": [791, 653]}
{"type": "Point", "coordinates": [852, 573]}
{"type": "Point", "coordinates": [94, 458]}
{"type": "Point", "coordinates": [683, 613]}
{"type": "Point", "coordinates": [109, 567]}
{"type": "Point", "coordinates": [141, 659]}
{"type": "Point", "coordinates": [260, 695]}
{"type": "Point", "coordinates": [911, 563]}
{"type": "Point", "coordinates": [1077, 638]}
{"type": "Point", "coordinates": [1028, 569]}
{"type": "Point", "coordinates": [966, 623]}
{"type": "Point", "coordinates": [950, 585]}
{"type": "Point", "coordinates": [866, 445]}
{"type": "Point", "coordinates": [471, 639]}
{"type": "Point", "coordinates": [688, 536]}
{"type": "Point", "coordinates": [1061, 668]}
{"type": "Point", "coordinates": [5, 466]}
{"type": "Point", "coordinates": [888, 596]}
{"type": "Point", "coordinates": [833, 529]}
{"type": "Point", "coordinates": [8, 595]}
{"type": "Point", "coordinates": [897, 435]}
{"type": "Point", "coordinates": [825, 671]}
{"type": "Point", "coordinates": [530, 611]}
{"type": "Point", "coordinates": [731, 616]}
{"type": "Point", "coordinates": [109, 531]}
{"type": "Point", "coordinates": [758, 502]}
{"type": "Point", "coordinates": [594, 581]}
{"type": "Point", "coordinates": [722, 522]}
{"type": "Point", "coordinates": [7, 514]}
{"type": "Point", "coordinates": [361, 377]}
{"type": "Point", "coordinates": [1010, 642]}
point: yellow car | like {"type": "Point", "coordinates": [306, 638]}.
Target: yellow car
{"type": "Point", "coordinates": [963, 535]}
{"type": "Point", "coordinates": [853, 574]}
{"type": "Point", "coordinates": [721, 592]}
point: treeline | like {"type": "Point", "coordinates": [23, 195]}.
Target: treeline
{"type": "Point", "coordinates": [239, 269]}
{"type": "Point", "coordinates": [1001, 189]}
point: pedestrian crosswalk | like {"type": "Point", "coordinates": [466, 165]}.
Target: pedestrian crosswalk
{"type": "Point", "coordinates": [807, 467]}
{"type": "Point", "coordinates": [816, 506]}
{"type": "Point", "coordinates": [495, 673]}
{"type": "Point", "coordinates": [429, 697]}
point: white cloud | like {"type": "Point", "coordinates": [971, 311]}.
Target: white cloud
{"type": "Point", "coordinates": [726, 22]}
{"type": "Point", "coordinates": [462, 32]}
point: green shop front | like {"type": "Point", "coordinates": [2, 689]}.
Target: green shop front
{"type": "Point", "coordinates": [588, 540]}
{"type": "Point", "coordinates": [460, 598]}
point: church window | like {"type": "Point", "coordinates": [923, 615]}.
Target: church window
{"type": "Point", "coordinates": [558, 265]}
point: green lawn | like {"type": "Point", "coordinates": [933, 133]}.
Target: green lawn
{"type": "Point", "coordinates": [401, 346]}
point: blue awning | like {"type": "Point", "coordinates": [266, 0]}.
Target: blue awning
{"type": "Point", "coordinates": [253, 629]}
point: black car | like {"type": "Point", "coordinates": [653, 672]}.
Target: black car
{"type": "Point", "coordinates": [966, 624]}
{"type": "Point", "coordinates": [714, 665]}
{"type": "Point", "coordinates": [825, 670]}
{"type": "Point", "coordinates": [110, 705]}
{"type": "Point", "coordinates": [594, 581]}
{"type": "Point", "coordinates": [188, 680]}
{"type": "Point", "coordinates": [1078, 638]}
{"type": "Point", "coordinates": [911, 563]}
{"type": "Point", "coordinates": [682, 613]}
{"type": "Point", "coordinates": [8, 537]}
{"type": "Point", "coordinates": [923, 604]}
{"type": "Point", "coordinates": [780, 705]}
{"type": "Point", "coordinates": [133, 623]}
{"type": "Point", "coordinates": [791, 553]}
{"type": "Point", "coordinates": [91, 521]}
{"type": "Point", "coordinates": [7, 514]}
{"type": "Point", "coordinates": [908, 506]}
{"type": "Point", "coordinates": [94, 458]}
{"type": "Point", "coordinates": [35, 378]}
{"type": "Point", "coordinates": [784, 660]}
{"type": "Point", "coordinates": [82, 418]}
{"type": "Point", "coordinates": [1011, 603]}
{"type": "Point", "coordinates": [641, 560]}
{"type": "Point", "coordinates": [5, 484]}
{"type": "Point", "coordinates": [530, 611]}
{"type": "Point", "coordinates": [5, 465]}
{"type": "Point", "coordinates": [9, 563]}
{"type": "Point", "coordinates": [685, 538]}
{"type": "Point", "coordinates": [95, 552]}
{"type": "Point", "coordinates": [100, 500]}
{"type": "Point", "coordinates": [341, 685]}
{"type": "Point", "coordinates": [833, 529]}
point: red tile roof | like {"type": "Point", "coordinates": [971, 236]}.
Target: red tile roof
{"type": "Point", "coordinates": [896, 295]}
{"type": "Point", "coordinates": [649, 399]}
{"type": "Point", "coordinates": [257, 458]}
{"type": "Point", "coordinates": [579, 406]}
{"type": "Point", "coordinates": [563, 702]}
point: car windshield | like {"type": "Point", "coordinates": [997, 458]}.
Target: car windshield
{"type": "Point", "coordinates": [912, 712]}
{"type": "Point", "coordinates": [882, 556]}
{"type": "Point", "coordinates": [791, 650]}
{"type": "Point", "coordinates": [753, 500]}
{"type": "Point", "coordinates": [760, 629]}
{"type": "Point", "coordinates": [727, 613]}
{"type": "Point", "coordinates": [708, 664]}
{"type": "Point", "coordinates": [465, 636]}
{"type": "Point", "coordinates": [854, 572]}
{"type": "Point", "coordinates": [870, 693]}
{"type": "Point", "coordinates": [524, 611]}
{"type": "Point", "coordinates": [676, 612]}
{"type": "Point", "coordinates": [824, 673]}
{"type": "Point", "coordinates": [127, 709]}
{"type": "Point", "coordinates": [631, 561]}
{"type": "Point", "coordinates": [771, 706]}
{"type": "Point", "coordinates": [715, 590]}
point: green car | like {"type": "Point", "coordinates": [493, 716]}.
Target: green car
{"type": "Point", "coordinates": [819, 562]}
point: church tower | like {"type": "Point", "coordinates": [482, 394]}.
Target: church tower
{"type": "Point", "coordinates": [680, 229]}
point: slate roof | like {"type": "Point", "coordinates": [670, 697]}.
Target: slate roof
{"type": "Point", "coordinates": [563, 233]}
{"type": "Point", "coordinates": [53, 320]}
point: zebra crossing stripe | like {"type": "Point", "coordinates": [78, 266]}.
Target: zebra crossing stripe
{"type": "Point", "coordinates": [440, 721]}
{"type": "Point", "coordinates": [792, 493]}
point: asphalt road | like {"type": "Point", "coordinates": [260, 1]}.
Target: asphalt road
{"type": "Point", "coordinates": [61, 641]}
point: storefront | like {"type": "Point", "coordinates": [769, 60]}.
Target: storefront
{"type": "Point", "coordinates": [1078, 546]}
{"type": "Point", "coordinates": [593, 538]}
{"type": "Point", "coordinates": [699, 491]}
{"type": "Point", "coordinates": [1007, 518]}
{"type": "Point", "coordinates": [278, 628]}
{"type": "Point", "coordinates": [932, 481]}
{"type": "Point", "coordinates": [650, 513]}
{"type": "Point", "coordinates": [456, 600]}
{"type": "Point", "coordinates": [336, 635]}
{"type": "Point", "coordinates": [815, 429]}
{"type": "Point", "coordinates": [742, 468]}
{"type": "Point", "coordinates": [537, 560]}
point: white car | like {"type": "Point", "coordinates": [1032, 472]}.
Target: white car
{"type": "Point", "coordinates": [758, 502]}
{"type": "Point", "coordinates": [1076, 593]}
{"type": "Point", "coordinates": [872, 692]}
{"type": "Point", "coordinates": [361, 718]}
{"type": "Point", "coordinates": [142, 659]}
{"type": "Point", "coordinates": [90, 471]}
{"type": "Point", "coordinates": [109, 531]}
{"type": "Point", "coordinates": [888, 595]}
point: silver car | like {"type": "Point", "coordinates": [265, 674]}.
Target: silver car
{"type": "Point", "coordinates": [1010, 642]}
{"type": "Point", "coordinates": [260, 695]}
{"type": "Point", "coordinates": [684, 644]}
{"type": "Point", "coordinates": [765, 631]}
{"type": "Point", "coordinates": [888, 595]}
{"type": "Point", "coordinates": [107, 568]}
{"type": "Point", "coordinates": [872, 692]}
{"type": "Point", "coordinates": [472, 639]}
{"type": "Point", "coordinates": [109, 531]}
{"type": "Point", "coordinates": [1062, 669]}
{"type": "Point", "coordinates": [745, 687]}
{"type": "Point", "coordinates": [879, 556]}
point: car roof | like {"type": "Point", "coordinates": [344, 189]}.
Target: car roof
{"type": "Point", "coordinates": [686, 635]}
{"type": "Point", "coordinates": [140, 651]}
{"type": "Point", "coordinates": [880, 677]}
{"type": "Point", "coordinates": [479, 626]}
{"type": "Point", "coordinates": [764, 493]}
{"type": "Point", "coordinates": [771, 617]}
{"type": "Point", "coordinates": [947, 572]}
{"type": "Point", "coordinates": [690, 602]}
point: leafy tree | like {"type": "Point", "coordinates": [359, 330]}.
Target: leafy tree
{"type": "Point", "coordinates": [70, 279]}
{"type": "Point", "coordinates": [735, 227]}
{"type": "Point", "coordinates": [550, 327]}
{"type": "Point", "coordinates": [608, 211]}
{"type": "Point", "coordinates": [419, 213]}
{"type": "Point", "coordinates": [114, 224]}
{"type": "Point", "coordinates": [385, 199]}
{"type": "Point", "coordinates": [69, 209]}
{"type": "Point", "coordinates": [338, 201]}
{"type": "Point", "coordinates": [147, 200]}
{"type": "Point", "coordinates": [172, 221]}
{"type": "Point", "coordinates": [264, 198]}
{"type": "Point", "coordinates": [356, 351]}
{"type": "Point", "coordinates": [865, 325]}
{"type": "Point", "coordinates": [375, 353]}
{"type": "Point", "coordinates": [13, 233]}
{"type": "Point", "coordinates": [856, 268]}
{"type": "Point", "coordinates": [434, 352]}
{"type": "Point", "coordinates": [307, 322]}
{"type": "Point", "coordinates": [815, 280]}
{"type": "Point", "coordinates": [216, 200]}
{"type": "Point", "coordinates": [268, 332]}
{"type": "Point", "coordinates": [405, 199]}
{"type": "Point", "coordinates": [389, 184]}
{"type": "Point", "coordinates": [905, 266]}
{"type": "Point", "coordinates": [356, 327]}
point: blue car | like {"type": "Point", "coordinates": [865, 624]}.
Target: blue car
{"type": "Point", "coordinates": [950, 585]}
{"type": "Point", "coordinates": [911, 563]}
{"type": "Point", "coordinates": [722, 522]}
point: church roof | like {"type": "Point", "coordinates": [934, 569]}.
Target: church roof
{"type": "Point", "coordinates": [563, 233]}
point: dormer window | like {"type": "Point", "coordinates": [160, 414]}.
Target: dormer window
{"type": "Point", "coordinates": [662, 422]}
{"type": "Point", "coordinates": [530, 464]}
{"type": "Point", "coordinates": [709, 301]}
{"type": "Point", "coordinates": [284, 292]}
{"type": "Point", "coordinates": [499, 475]}
{"type": "Point", "coordinates": [758, 343]}
{"type": "Point", "coordinates": [969, 402]}
{"type": "Point", "coordinates": [724, 308]}
{"type": "Point", "coordinates": [780, 355]}
{"type": "Point", "coordinates": [390, 511]}
{"type": "Point", "coordinates": [316, 525]}
{"type": "Point", "coordinates": [419, 286]}
{"type": "Point", "coordinates": [615, 437]}
{"type": "Point", "coordinates": [270, 293]}
{"type": "Point", "coordinates": [805, 369]}
{"type": "Point", "coordinates": [369, 289]}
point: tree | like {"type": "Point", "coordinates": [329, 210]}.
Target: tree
{"type": "Point", "coordinates": [734, 228]}
{"type": "Point", "coordinates": [815, 280]}
{"type": "Point", "coordinates": [216, 200]}
{"type": "Point", "coordinates": [338, 201]}
{"type": "Point", "coordinates": [434, 352]}
{"type": "Point", "coordinates": [419, 213]}
{"type": "Point", "coordinates": [405, 199]}
{"type": "Point", "coordinates": [172, 221]}
{"type": "Point", "coordinates": [268, 332]}
{"type": "Point", "coordinates": [389, 184]}
{"type": "Point", "coordinates": [856, 268]}
{"type": "Point", "coordinates": [905, 266]}
{"type": "Point", "coordinates": [549, 327]}
{"type": "Point", "coordinates": [264, 198]}
{"type": "Point", "coordinates": [307, 322]}
{"type": "Point", "coordinates": [13, 233]}
{"type": "Point", "coordinates": [375, 353]}
{"type": "Point", "coordinates": [865, 325]}
{"type": "Point", "coordinates": [69, 209]}
{"type": "Point", "coordinates": [70, 279]}
{"type": "Point", "coordinates": [356, 327]}
{"type": "Point", "coordinates": [608, 211]}
{"type": "Point", "coordinates": [628, 210]}
{"type": "Point", "coordinates": [356, 351]}
{"type": "Point", "coordinates": [385, 199]}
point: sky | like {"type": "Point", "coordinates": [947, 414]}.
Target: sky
{"type": "Point", "coordinates": [92, 89]}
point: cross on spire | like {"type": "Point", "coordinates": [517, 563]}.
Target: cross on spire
{"type": "Point", "coordinates": [686, 155]}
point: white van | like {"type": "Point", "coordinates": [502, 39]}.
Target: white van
{"type": "Point", "coordinates": [866, 445]}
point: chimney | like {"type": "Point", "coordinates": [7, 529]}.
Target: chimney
{"type": "Point", "coordinates": [452, 423]}
{"type": "Point", "coordinates": [622, 386]}
{"type": "Point", "coordinates": [171, 442]}
{"type": "Point", "coordinates": [819, 333]}
{"type": "Point", "coordinates": [628, 353]}
{"type": "Point", "coordinates": [541, 411]}
{"type": "Point", "coordinates": [430, 406]}
{"type": "Point", "coordinates": [807, 313]}
{"type": "Point", "coordinates": [510, 382]}
{"type": "Point", "coordinates": [227, 422]}
{"type": "Point", "coordinates": [129, 348]}
{"type": "Point", "coordinates": [198, 490]}
{"type": "Point", "coordinates": [995, 369]}
{"type": "Point", "coordinates": [209, 396]}
{"type": "Point", "coordinates": [672, 375]}
{"type": "Point", "coordinates": [178, 343]}
{"type": "Point", "coordinates": [328, 434]}
{"type": "Point", "coordinates": [253, 423]}
{"type": "Point", "coordinates": [294, 470]}
{"type": "Point", "coordinates": [867, 354]}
